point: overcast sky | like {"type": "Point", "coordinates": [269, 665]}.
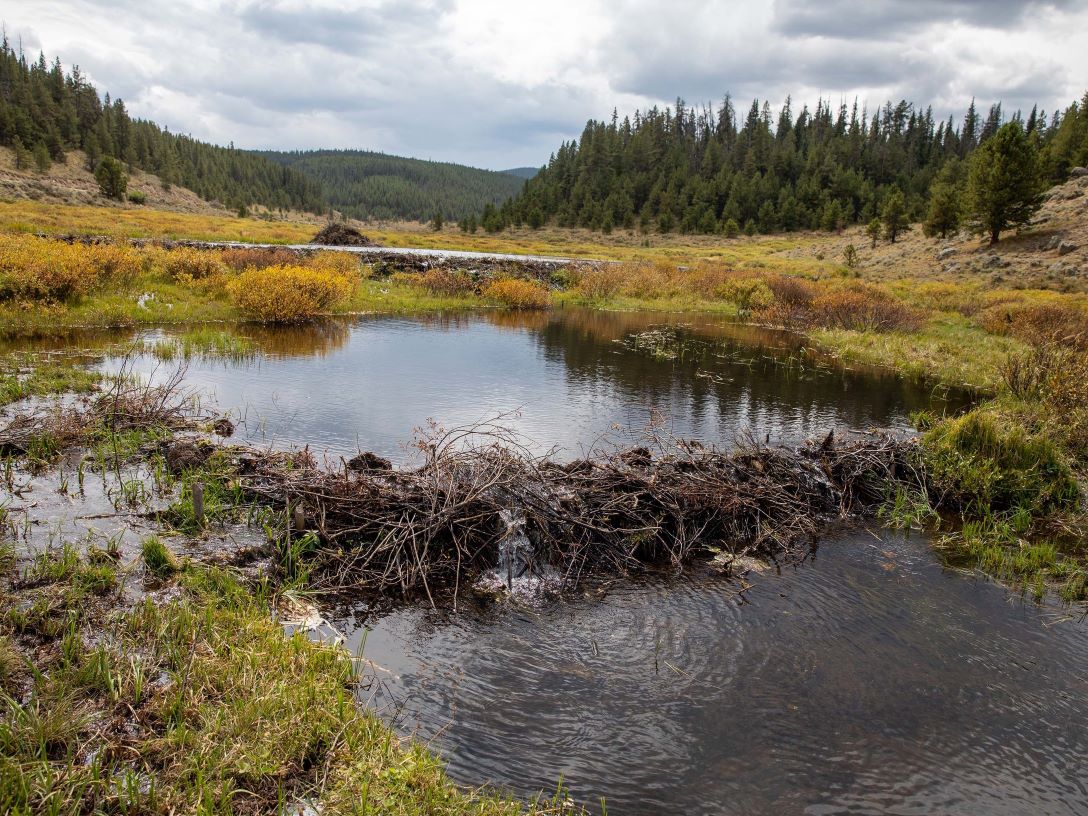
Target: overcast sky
{"type": "Point", "coordinates": [500, 83]}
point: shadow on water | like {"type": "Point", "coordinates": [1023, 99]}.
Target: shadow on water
{"type": "Point", "coordinates": [570, 375]}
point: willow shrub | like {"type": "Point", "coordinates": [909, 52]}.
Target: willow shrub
{"type": "Point", "coordinates": [518, 294]}
{"type": "Point", "coordinates": [39, 269]}
{"type": "Point", "coordinates": [290, 294]}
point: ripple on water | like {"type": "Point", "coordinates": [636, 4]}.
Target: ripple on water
{"type": "Point", "coordinates": [866, 681]}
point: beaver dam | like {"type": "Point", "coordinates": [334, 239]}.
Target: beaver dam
{"type": "Point", "coordinates": [656, 572]}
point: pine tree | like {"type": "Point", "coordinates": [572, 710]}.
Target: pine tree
{"type": "Point", "coordinates": [41, 157]}
{"type": "Point", "coordinates": [894, 215]}
{"type": "Point", "coordinates": [1003, 184]}
{"type": "Point", "coordinates": [944, 213]}
{"type": "Point", "coordinates": [111, 178]}
{"type": "Point", "coordinates": [437, 222]}
{"type": "Point", "coordinates": [873, 230]}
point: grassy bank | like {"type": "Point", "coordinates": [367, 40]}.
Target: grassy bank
{"type": "Point", "coordinates": [188, 700]}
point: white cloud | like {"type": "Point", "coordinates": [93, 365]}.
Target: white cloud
{"type": "Point", "coordinates": [499, 84]}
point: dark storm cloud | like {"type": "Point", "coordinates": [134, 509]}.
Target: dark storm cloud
{"type": "Point", "coordinates": [887, 19]}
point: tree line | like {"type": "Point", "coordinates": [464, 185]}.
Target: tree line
{"type": "Point", "coordinates": [45, 112]}
{"type": "Point", "coordinates": [364, 184]}
{"type": "Point", "coordinates": [706, 170]}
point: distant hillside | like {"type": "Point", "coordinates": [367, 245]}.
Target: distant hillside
{"type": "Point", "coordinates": [44, 113]}
{"type": "Point", "coordinates": [363, 184]}
{"type": "Point", "coordinates": [697, 170]}
{"type": "Point", "coordinates": [522, 172]}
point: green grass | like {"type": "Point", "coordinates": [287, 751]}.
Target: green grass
{"type": "Point", "coordinates": [198, 704]}
{"type": "Point", "coordinates": [159, 559]}
{"type": "Point", "coordinates": [30, 375]}
{"type": "Point", "coordinates": [949, 349]}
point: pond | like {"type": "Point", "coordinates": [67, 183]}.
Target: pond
{"type": "Point", "coordinates": [871, 678]}
{"type": "Point", "coordinates": [561, 378]}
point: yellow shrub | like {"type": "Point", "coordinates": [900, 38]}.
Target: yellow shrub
{"type": "Point", "coordinates": [35, 268]}
{"type": "Point", "coordinates": [518, 294]}
{"type": "Point", "coordinates": [340, 263]}
{"type": "Point", "coordinates": [288, 294]}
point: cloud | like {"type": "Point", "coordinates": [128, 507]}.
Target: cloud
{"type": "Point", "coordinates": [497, 84]}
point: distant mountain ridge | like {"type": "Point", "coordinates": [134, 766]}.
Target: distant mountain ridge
{"type": "Point", "coordinates": [522, 172]}
{"type": "Point", "coordinates": [365, 184]}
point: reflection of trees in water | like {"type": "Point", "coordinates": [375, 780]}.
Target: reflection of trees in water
{"type": "Point", "coordinates": [316, 338]}
{"type": "Point", "coordinates": [712, 368]}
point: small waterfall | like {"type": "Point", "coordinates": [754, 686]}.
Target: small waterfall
{"type": "Point", "coordinates": [518, 571]}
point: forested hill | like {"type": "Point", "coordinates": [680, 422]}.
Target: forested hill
{"type": "Point", "coordinates": [375, 185]}
{"type": "Point", "coordinates": [709, 171]}
{"type": "Point", "coordinates": [45, 112]}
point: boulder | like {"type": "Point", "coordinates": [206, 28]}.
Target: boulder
{"type": "Point", "coordinates": [1078, 172]}
{"type": "Point", "coordinates": [945, 253]}
{"type": "Point", "coordinates": [1065, 247]}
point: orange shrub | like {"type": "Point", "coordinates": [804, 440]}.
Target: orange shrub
{"type": "Point", "coordinates": [1039, 323]}
{"type": "Point", "coordinates": [239, 258]}
{"type": "Point", "coordinates": [602, 281]}
{"type": "Point", "coordinates": [862, 308]}
{"type": "Point", "coordinates": [792, 291]}
{"type": "Point", "coordinates": [518, 294]}
{"type": "Point", "coordinates": [288, 294]}
{"type": "Point", "coordinates": [189, 264]}
{"type": "Point", "coordinates": [446, 282]}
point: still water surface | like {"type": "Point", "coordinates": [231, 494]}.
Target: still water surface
{"type": "Point", "coordinates": [570, 376]}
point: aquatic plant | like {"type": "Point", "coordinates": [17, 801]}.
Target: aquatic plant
{"type": "Point", "coordinates": [158, 559]}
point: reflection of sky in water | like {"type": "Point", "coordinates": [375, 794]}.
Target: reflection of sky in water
{"type": "Point", "coordinates": [566, 373]}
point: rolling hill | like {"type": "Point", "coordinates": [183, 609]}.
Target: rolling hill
{"type": "Point", "coordinates": [364, 184]}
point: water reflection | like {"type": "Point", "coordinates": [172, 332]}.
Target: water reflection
{"type": "Point", "coordinates": [571, 376]}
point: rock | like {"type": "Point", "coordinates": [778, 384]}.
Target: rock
{"type": "Point", "coordinates": [336, 234]}
{"type": "Point", "coordinates": [993, 262]}
{"type": "Point", "coordinates": [368, 461]}
{"type": "Point", "coordinates": [947, 252]}
{"type": "Point", "coordinates": [1053, 242]}
{"type": "Point", "coordinates": [1065, 247]}
{"type": "Point", "coordinates": [1078, 172]}
{"type": "Point", "coordinates": [187, 454]}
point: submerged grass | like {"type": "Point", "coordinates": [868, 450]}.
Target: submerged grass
{"type": "Point", "coordinates": [27, 375]}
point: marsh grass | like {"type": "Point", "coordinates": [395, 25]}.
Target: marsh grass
{"type": "Point", "coordinates": [197, 704]}
{"type": "Point", "coordinates": [27, 375]}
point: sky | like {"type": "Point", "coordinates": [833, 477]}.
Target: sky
{"type": "Point", "coordinates": [501, 83]}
